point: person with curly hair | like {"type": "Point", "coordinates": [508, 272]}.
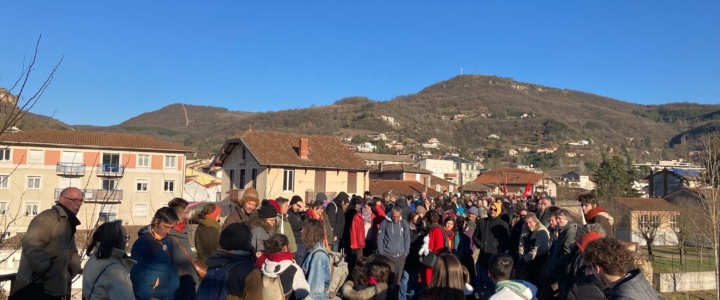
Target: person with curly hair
{"type": "Point", "coordinates": [610, 261]}
{"type": "Point", "coordinates": [277, 263]}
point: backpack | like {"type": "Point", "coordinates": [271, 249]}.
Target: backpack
{"type": "Point", "coordinates": [214, 285]}
{"type": "Point", "coordinates": [273, 290]}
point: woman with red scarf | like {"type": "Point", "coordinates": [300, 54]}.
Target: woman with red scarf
{"type": "Point", "coordinates": [277, 262]}
{"type": "Point", "coordinates": [317, 212]}
{"type": "Point", "coordinates": [595, 214]}
{"type": "Point", "coordinates": [363, 231]}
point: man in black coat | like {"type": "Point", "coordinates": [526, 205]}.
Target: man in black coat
{"type": "Point", "coordinates": [556, 268]}
{"type": "Point", "coordinates": [296, 216]}
{"type": "Point", "coordinates": [336, 216]}
{"type": "Point", "coordinates": [491, 236]}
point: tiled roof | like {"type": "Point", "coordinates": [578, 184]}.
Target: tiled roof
{"type": "Point", "coordinates": [400, 187]}
{"type": "Point", "coordinates": [281, 149]}
{"type": "Point", "coordinates": [514, 176]}
{"type": "Point", "coordinates": [646, 204]}
{"type": "Point", "coordinates": [478, 187]}
{"type": "Point", "coordinates": [434, 180]}
{"type": "Point", "coordinates": [394, 168]}
{"type": "Point", "coordinates": [90, 139]}
{"type": "Point", "coordinates": [386, 157]}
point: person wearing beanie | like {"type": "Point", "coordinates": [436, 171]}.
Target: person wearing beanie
{"type": "Point", "coordinates": [583, 284]}
{"type": "Point", "coordinates": [244, 209]}
{"type": "Point", "coordinates": [263, 226]}
{"type": "Point", "coordinates": [296, 216]}
{"type": "Point", "coordinates": [317, 212]}
{"type": "Point", "coordinates": [335, 211]}
{"type": "Point", "coordinates": [207, 234]}
{"type": "Point", "coordinates": [492, 236]}
{"type": "Point", "coordinates": [235, 248]}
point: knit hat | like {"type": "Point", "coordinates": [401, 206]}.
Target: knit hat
{"type": "Point", "coordinates": [236, 236]}
{"type": "Point", "coordinates": [420, 209]}
{"type": "Point", "coordinates": [295, 199]}
{"type": "Point", "coordinates": [275, 204]}
{"type": "Point", "coordinates": [587, 238]}
{"type": "Point", "coordinates": [343, 197]}
{"type": "Point", "coordinates": [473, 211]}
{"type": "Point", "coordinates": [214, 214]}
{"type": "Point", "coordinates": [250, 195]}
{"type": "Point", "coordinates": [267, 210]}
{"type": "Point", "coordinates": [321, 197]}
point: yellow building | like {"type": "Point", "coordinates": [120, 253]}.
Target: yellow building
{"type": "Point", "coordinates": [123, 176]}
{"type": "Point", "coordinates": [284, 165]}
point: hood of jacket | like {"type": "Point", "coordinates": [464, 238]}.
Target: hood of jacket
{"type": "Point", "coordinates": [209, 223]}
{"type": "Point", "coordinates": [521, 288]}
{"type": "Point", "coordinates": [633, 286]}
{"type": "Point", "coordinates": [273, 269]}
{"type": "Point", "coordinates": [221, 257]}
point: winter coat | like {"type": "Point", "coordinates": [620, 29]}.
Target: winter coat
{"type": "Point", "coordinates": [634, 287]}
{"type": "Point", "coordinates": [585, 287]}
{"type": "Point", "coordinates": [357, 232]}
{"type": "Point", "coordinates": [559, 258]}
{"type": "Point", "coordinates": [373, 292]}
{"type": "Point", "coordinates": [154, 275]}
{"type": "Point", "coordinates": [598, 215]}
{"type": "Point", "coordinates": [237, 215]}
{"type": "Point", "coordinates": [280, 265]}
{"type": "Point", "coordinates": [436, 244]}
{"type": "Point", "coordinates": [247, 283]}
{"type": "Point", "coordinates": [284, 227]}
{"type": "Point", "coordinates": [544, 217]}
{"type": "Point", "coordinates": [49, 245]}
{"type": "Point", "coordinates": [403, 205]}
{"type": "Point", "coordinates": [336, 219]}
{"type": "Point", "coordinates": [393, 238]}
{"type": "Point", "coordinates": [182, 258]}
{"type": "Point", "coordinates": [316, 268]}
{"type": "Point", "coordinates": [207, 238]}
{"type": "Point", "coordinates": [536, 244]}
{"type": "Point", "coordinates": [108, 278]}
{"type": "Point", "coordinates": [514, 290]}
{"type": "Point", "coordinates": [416, 241]}
{"type": "Point", "coordinates": [261, 232]}
{"type": "Point", "coordinates": [491, 236]}
{"type": "Point", "coordinates": [296, 223]}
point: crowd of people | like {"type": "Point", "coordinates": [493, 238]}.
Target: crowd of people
{"type": "Point", "coordinates": [406, 247]}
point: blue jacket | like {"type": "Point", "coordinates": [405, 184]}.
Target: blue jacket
{"type": "Point", "coordinates": [317, 271]}
{"type": "Point", "coordinates": [154, 264]}
{"type": "Point", "coordinates": [393, 238]}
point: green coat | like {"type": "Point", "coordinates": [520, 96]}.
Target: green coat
{"type": "Point", "coordinates": [285, 228]}
{"type": "Point", "coordinates": [207, 238]}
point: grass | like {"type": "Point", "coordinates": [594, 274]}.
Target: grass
{"type": "Point", "coordinates": [667, 260]}
{"type": "Point", "coordinates": [700, 295]}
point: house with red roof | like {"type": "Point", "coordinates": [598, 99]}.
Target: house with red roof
{"type": "Point", "coordinates": [493, 180]}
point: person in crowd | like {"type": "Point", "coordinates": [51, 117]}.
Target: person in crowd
{"type": "Point", "coordinates": [402, 203]}
{"type": "Point", "coordinates": [263, 226]}
{"type": "Point", "coordinates": [534, 253]}
{"type": "Point", "coordinates": [421, 211]}
{"type": "Point", "coordinates": [207, 234]}
{"type": "Point", "coordinates": [436, 242]}
{"type": "Point", "coordinates": [336, 218]}
{"type": "Point", "coordinates": [412, 264]}
{"type": "Point", "coordinates": [516, 232]}
{"type": "Point", "coordinates": [316, 266]}
{"type": "Point", "coordinates": [500, 271]}
{"type": "Point", "coordinates": [49, 258]}
{"type": "Point", "coordinates": [374, 283]}
{"type": "Point", "coordinates": [451, 238]}
{"type": "Point", "coordinates": [283, 223]}
{"type": "Point", "coordinates": [465, 246]}
{"type": "Point", "coordinates": [542, 212]}
{"type": "Point", "coordinates": [244, 209]}
{"type": "Point", "coordinates": [595, 214]}
{"type": "Point", "coordinates": [447, 282]}
{"type": "Point", "coordinates": [609, 260]}
{"type": "Point", "coordinates": [553, 227]}
{"type": "Point", "coordinates": [472, 216]}
{"type": "Point", "coordinates": [155, 276]}
{"type": "Point", "coordinates": [182, 251]}
{"type": "Point", "coordinates": [559, 256]}
{"type": "Point", "coordinates": [491, 236]}
{"type": "Point", "coordinates": [423, 200]}
{"type": "Point", "coordinates": [387, 201]}
{"type": "Point", "coordinates": [317, 212]}
{"type": "Point", "coordinates": [236, 254]}
{"type": "Point", "coordinates": [107, 272]}
{"type": "Point", "coordinates": [583, 284]}
{"type": "Point", "coordinates": [277, 262]}
{"type": "Point", "coordinates": [394, 240]}
{"type": "Point", "coordinates": [362, 233]}
{"type": "Point", "coordinates": [297, 216]}
{"type": "Point", "coordinates": [367, 195]}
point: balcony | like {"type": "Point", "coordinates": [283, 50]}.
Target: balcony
{"type": "Point", "coordinates": [110, 170]}
{"type": "Point", "coordinates": [87, 194]}
{"type": "Point", "coordinates": [106, 196]}
{"type": "Point", "coordinates": [70, 169]}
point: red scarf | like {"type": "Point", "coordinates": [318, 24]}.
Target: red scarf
{"type": "Point", "coordinates": [180, 226]}
{"type": "Point", "coordinates": [276, 257]}
{"type": "Point", "coordinates": [594, 212]}
{"type": "Point", "coordinates": [450, 236]}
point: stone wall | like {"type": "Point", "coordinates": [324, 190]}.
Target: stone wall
{"type": "Point", "coordinates": [684, 282]}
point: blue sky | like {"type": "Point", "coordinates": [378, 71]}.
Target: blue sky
{"type": "Point", "coordinates": [123, 58]}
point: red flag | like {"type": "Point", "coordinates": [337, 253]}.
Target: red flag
{"type": "Point", "coordinates": [528, 190]}
{"type": "Point", "coordinates": [505, 190]}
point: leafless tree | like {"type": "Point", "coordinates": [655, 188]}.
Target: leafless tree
{"type": "Point", "coordinates": [709, 158]}
{"type": "Point", "coordinates": [647, 226]}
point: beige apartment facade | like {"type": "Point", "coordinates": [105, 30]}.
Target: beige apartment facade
{"type": "Point", "coordinates": [284, 165]}
{"type": "Point", "coordinates": [123, 176]}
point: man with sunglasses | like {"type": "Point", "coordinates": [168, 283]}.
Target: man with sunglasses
{"type": "Point", "coordinates": [491, 236]}
{"type": "Point", "coordinates": [50, 259]}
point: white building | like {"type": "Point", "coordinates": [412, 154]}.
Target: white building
{"type": "Point", "coordinates": [366, 147]}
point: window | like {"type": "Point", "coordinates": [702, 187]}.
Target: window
{"type": "Point", "coordinates": [673, 221]}
{"type": "Point", "coordinates": [450, 188]}
{"type": "Point", "coordinates": [35, 157]}
{"type": "Point", "coordinates": [110, 162]}
{"type": "Point", "coordinates": [169, 186]}
{"type": "Point", "coordinates": [643, 221]}
{"type": "Point", "coordinates": [244, 153]}
{"type": "Point", "coordinates": [242, 178]}
{"type": "Point", "coordinates": [32, 208]}
{"type": "Point", "coordinates": [110, 184]}
{"type": "Point", "coordinates": [170, 162]}
{"type": "Point", "coordinates": [254, 178]}
{"type": "Point", "coordinates": [288, 180]}
{"type": "Point", "coordinates": [108, 213]}
{"type": "Point", "coordinates": [5, 154]}
{"type": "Point", "coordinates": [352, 183]}
{"type": "Point", "coordinates": [3, 208]}
{"type": "Point", "coordinates": [141, 185]}
{"type": "Point", "coordinates": [140, 210]}
{"type": "Point", "coordinates": [4, 182]}
{"type": "Point", "coordinates": [438, 187]}
{"type": "Point", "coordinates": [33, 182]}
{"type": "Point", "coordinates": [232, 179]}
{"type": "Point", "coordinates": [143, 160]}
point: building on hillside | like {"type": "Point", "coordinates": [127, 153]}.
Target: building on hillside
{"type": "Point", "coordinates": [123, 176]}
{"type": "Point", "coordinates": [667, 181]}
{"type": "Point", "coordinates": [674, 164]}
{"type": "Point", "coordinates": [571, 154]}
{"type": "Point", "coordinates": [512, 152]}
{"type": "Point", "coordinates": [283, 165]}
{"type": "Point", "coordinates": [493, 137]}
{"type": "Point", "coordinates": [467, 170]}
{"type": "Point", "coordinates": [386, 159]}
{"type": "Point", "coordinates": [438, 167]}
{"type": "Point", "coordinates": [516, 181]}
{"type": "Point", "coordinates": [646, 215]}
{"type": "Point", "coordinates": [546, 150]}
{"type": "Point", "coordinates": [399, 172]}
{"type": "Point", "coordinates": [366, 147]}
{"type": "Point", "coordinates": [576, 180]}
{"type": "Point", "coordinates": [401, 188]}
{"type": "Point", "coordinates": [201, 187]}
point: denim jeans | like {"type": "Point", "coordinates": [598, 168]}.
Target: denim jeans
{"type": "Point", "coordinates": [409, 285]}
{"type": "Point", "coordinates": [483, 280]}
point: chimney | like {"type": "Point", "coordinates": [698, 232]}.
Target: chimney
{"type": "Point", "coordinates": [303, 148]}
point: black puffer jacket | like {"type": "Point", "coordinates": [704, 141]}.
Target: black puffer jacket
{"type": "Point", "coordinates": [336, 215]}
{"type": "Point", "coordinates": [491, 236]}
{"type": "Point", "coordinates": [296, 223]}
{"type": "Point", "coordinates": [634, 286]}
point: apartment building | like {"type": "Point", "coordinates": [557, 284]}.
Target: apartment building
{"type": "Point", "coordinates": [123, 176]}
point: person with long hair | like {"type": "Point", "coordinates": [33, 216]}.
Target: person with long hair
{"type": "Point", "coordinates": [277, 262]}
{"type": "Point", "coordinates": [182, 254]}
{"type": "Point", "coordinates": [376, 281]}
{"type": "Point", "coordinates": [207, 234]}
{"type": "Point", "coordinates": [362, 232]}
{"type": "Point", "coordinates": [263, 226]}
{"type": "Point", "coordinates": [317, 262]}
{"type": "Point", "coordinates": [448, 282]}
{"type": "Point", "coordinates": [436, 242]}
{"type": "Point", "coordinates": [107, 271]}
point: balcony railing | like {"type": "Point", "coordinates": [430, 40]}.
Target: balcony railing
{"type": "Point", "coordinates": [87, 194]}
{"type": "Point", "coordinates": [70, 169]}
{"type": "Point", "coordinates": [107, 195]}
{"type": "Point", "coordinates": [110, 170]}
